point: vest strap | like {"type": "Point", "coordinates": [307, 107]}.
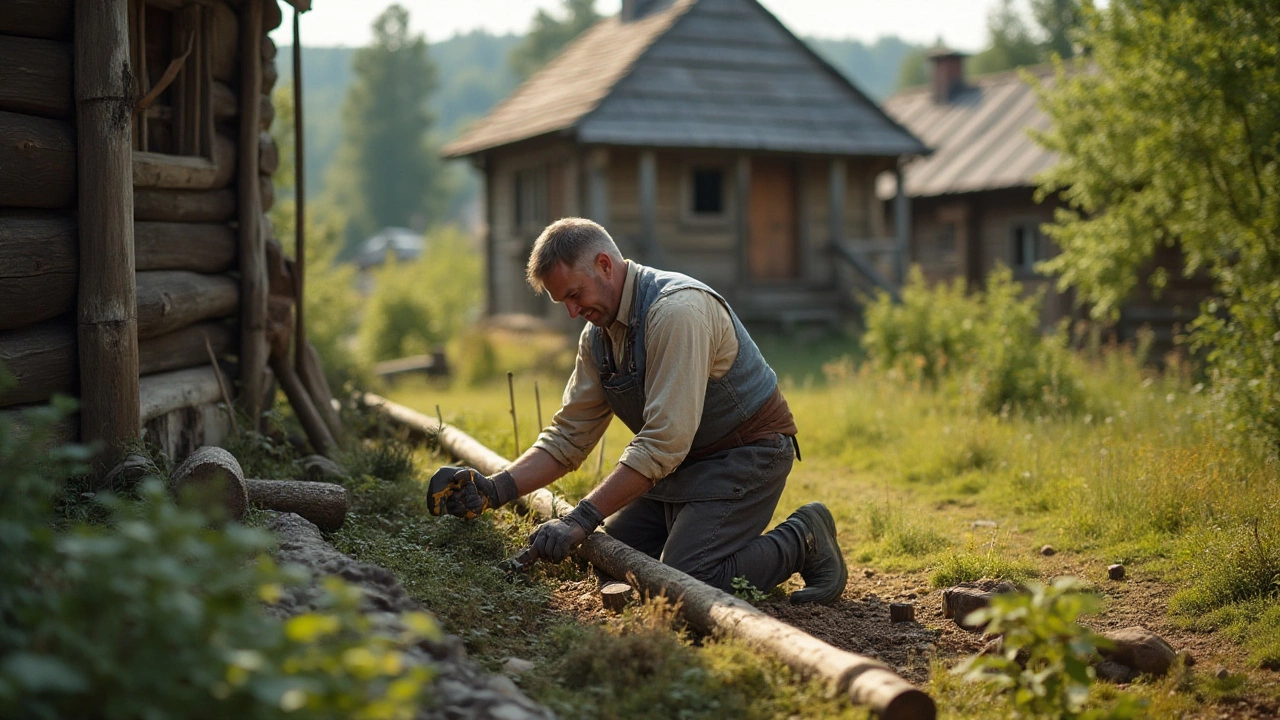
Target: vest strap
{"type": "Point", "coordinates": [774, 417]}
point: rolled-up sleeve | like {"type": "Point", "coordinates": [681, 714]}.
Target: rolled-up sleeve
{"type": "Point", "coordinates": [583, 416]}
{"type": "Point", "coordinates": [682, 338]}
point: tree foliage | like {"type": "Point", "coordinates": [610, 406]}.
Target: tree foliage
{"type": "Point", "coordinates": [548, 35]}
{"type": "Point", "coordinates": [387, 172]}
{"type": "Point", "coordinates": [1169, 138]}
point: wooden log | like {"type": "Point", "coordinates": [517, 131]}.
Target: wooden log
{"type": "Point", "coordinates": [36, 18]}
{"type": "Point", "coordinates": [266, 193]}
{"type": "Point", "coordinates": [184, 348]}
{"type": "Point", "coordinates": [865, 681]}
{"type": "Point", "coordinates": [312, 374]}
{"type": "Point", "coordinates": [280, 277]}
{"type": "Point", "coordinates": [225, 48]}
{"type": "Point", "coordinates": [614, 596]}
{"type": "Point", "coordinates": [225, 104]}
{"type": "Point", "coordinates": [271, 15]}
{"type": "Point", "coordinates": [169, 300]}
{"type": "Point", "coordinates": [268, 48]}
{"type": "Point", "coordinates": [18, 417]}
{"type": "Point", "coordinates": [317, 433]}
{"type": "Point", "coordinates": [902, 612]}
{"type": "Point", "coordinates": [270, 74]}
{"type": "Point", "coordinates": [268, 154]}
{"type": "Point", "coordinates": [199, 247]}
{"type": "Point", "coordinates": [324, 504]}
{"type": "Point", "coordinates": [187, 172]}
{"type": "Point", "coordinates": [184, 205]}
{"type": "Point", "coordinates": [37, 162]}
{"type": "Point", "coordinates": [35, 77]}
{"type": "Point", "coordinates": [165, 392]}
{"type": "Point", "coordinates": [107, 301]}
{"type": "Point", "coordinates": [39, 266]}
{"type": "Point", "coordinates": [211, 479]}
{"type": "Point", "coordinates": [42, 360]}
{"type": "Point", "coordinates": [253, 276]}
{"type": "Point", "coordinates": [267, 112]}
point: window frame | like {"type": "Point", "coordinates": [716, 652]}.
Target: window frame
{"type": "Point", "coordinates": [189, 98]}
{"type": "Point", "coordinates": [1038, 247]}
{"type": "Point", "coordinates": [688, 187]}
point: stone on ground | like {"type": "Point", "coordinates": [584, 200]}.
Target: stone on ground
{"type": "Point", "coordinates": [1140, 649]}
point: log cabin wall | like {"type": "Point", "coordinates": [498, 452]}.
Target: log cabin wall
{"type": "Point", "coordinates": [185, 204]}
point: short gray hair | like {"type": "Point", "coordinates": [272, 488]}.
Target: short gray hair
{"type": "Point", "coordinates": [573, 241]}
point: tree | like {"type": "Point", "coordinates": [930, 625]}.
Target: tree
{"type": "Point", "coordinates": [387, 172]}
{"type": "Point", "coordinates": [1012, 42]}
{"type": "Point", "coordinates": [549, 35]}
{"type": "Point", "coordinates": [1058, 20]}
{"type": "Point", "coordinates": [1169, 137]}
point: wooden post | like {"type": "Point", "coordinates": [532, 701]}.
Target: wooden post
{"type": "Point", "coordinates": [253, 271]}
{"type": "Point", "coordinates": [300, 209]}
{"type": "Point", "coordinates": [836, 185]}
{"type": "Point", "coordinates": [742, 187]}
{"type": "Point", "coordinates": [107, 313]}
{"type": "Point", "coordinates": [648, 205]}
{"type": "Point", "coordinates": [598, 185]}
{"type": "Point", "coordinates": [901, 222]}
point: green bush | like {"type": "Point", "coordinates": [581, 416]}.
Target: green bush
{"type": "Point", "coordinates": [990, 341]}
{"type": "Point", "coordinates": [155, 613]}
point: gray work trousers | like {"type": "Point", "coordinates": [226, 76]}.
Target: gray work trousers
{"type": "Point", "coordinates": [707, 517]}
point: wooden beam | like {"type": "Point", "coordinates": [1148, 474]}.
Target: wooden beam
{"type": "Point", "coordinates": [107, 303]}
{"type": "Point", "coordinates": [253, 276]}
{"type": "Point", "coordinates": [225, 49]}
{"type": "Point", "coordinates": [35, 77]}
{"type": "Point", "coordinates": [184, 205]}
{"type": "Point", "coordinates": [742, 189]}
{"type": "Point", "coordinates": [268, 154]}
{"type": "Point", "coordinates": [901, 222]}
{"type": "Point", "coordinates": [165, 392]}
{"type": "Point", "coordinates": [300, 227]}
{"type": "Point", "coordinates": [300, 400]}
{"type": "Point", "coordinates": [837, 177]}
{"type": "Point", "coordinates": [272, 16]}
{"type": "Point", "coordinates": [225, 103]}
{"type": "Point", "coordinates": [42, 359]}
{"type": "Point", "coordinates": [187, 172]}
{"type": "Point", "coordinates": [199, 247]}
{"type": "Point", "coordinates": [598, 185]}
{"type": "Point", "coordinates": [184, 348]}
{"type": "Point", "coordinates": [169, 300]}
{"type": "Point", "coordinates": [37, 161]}
{"type": "Point", "coordinates": [648, 179]}
{"type": "Point", "coordinates": [39, 267]}
{"type": "Point", "coordinates": [36, 18]}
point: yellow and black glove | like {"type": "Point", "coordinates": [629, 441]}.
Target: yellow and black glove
{"type": "Point", "coordinates": [465, 493]}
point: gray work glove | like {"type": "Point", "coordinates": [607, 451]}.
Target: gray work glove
{"type": "Point", "coordinates": [554, 539]}
{"type": "Point", "coordinates": [465, 493]}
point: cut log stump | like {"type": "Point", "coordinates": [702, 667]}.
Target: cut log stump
{"type": "Point", "coordinates": [324, 504]}
{"type": "Point", "coordinates": [902, 612]}
{"type": "Point", "coordinates": [615, 596]}
{"type": "Point", "coordinates": [211, 477]}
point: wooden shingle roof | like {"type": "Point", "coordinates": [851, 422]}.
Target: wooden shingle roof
{"type": "Point", "coordinates": [693, 74]}
{"type": "Point", "coordinates": [980, 136]}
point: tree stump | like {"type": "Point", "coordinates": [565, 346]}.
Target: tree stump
{"type": "Point", "coordinates": [1115, 572]}
{"type": "Point", "coordinates": [902, 612]}
{"type": "Point", "coordinates": [211, 478]}
{"type": "Point", "coordinates": [615, 596]}
{"type": "Point", "coordinates": [324, 504]}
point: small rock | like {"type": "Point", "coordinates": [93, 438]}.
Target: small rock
{"type": "Point", "coordinates": [1048, 550]}
{"type": "Point", "coordinates": [1140, 649]}
{"type": "Point", "coordinates": [318, 468]}
{"type": "Point", "coordinates": [1114, 671]}
{"type": "Point", "coordinates": [1115, 572]}
{"type": "Point", "coordinates": [983, 524]}
{"type": "Point", "coordinates": [902, 612]}
{"type": "Point", "coordinates": [1222, 673]}
{"type": "Point", "coordinates": [1188, 660]}
{"type": "Point", "coordinates": [516, 667]}
{"type": "Point", "coordinates": [869, 573]}
{"type": "Point", "coordinates": [509, 711]}
{"type": "Point", "coordinates": [963, 599]}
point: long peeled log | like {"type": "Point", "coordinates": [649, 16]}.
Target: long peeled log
{"type": "Point", "coordinates": [864, 680]}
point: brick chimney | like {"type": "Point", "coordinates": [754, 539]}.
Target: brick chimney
{"type": "Point", "coordinates": [948, 74]}
{"type": "Point", "coordinates": [636, 9]}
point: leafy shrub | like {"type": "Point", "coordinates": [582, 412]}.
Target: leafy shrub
{"type": "Point", "coordinates": [990, 340]}
{"type": "Point", "coordinates": [477, 359]}
{"type": "Point", "coordinates": [1044, 660]}
{"type": "Point", "coordinates": [157, 614]}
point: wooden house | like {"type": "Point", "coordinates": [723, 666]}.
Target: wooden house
{"type": "Point", "coordinates": [135, 171]}
{"type": "Point", "coordinates": [972, 201]}
{"type": "Point", "coordinates": [707, 139]}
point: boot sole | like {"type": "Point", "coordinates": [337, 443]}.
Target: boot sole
{"type": "Point", "coordinates": [823, 515]}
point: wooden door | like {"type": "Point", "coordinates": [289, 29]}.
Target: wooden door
{"type": "Point", "coordinates": [772, 248]}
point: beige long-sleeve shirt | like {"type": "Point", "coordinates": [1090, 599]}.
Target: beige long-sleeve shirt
{"type": "Point", "coordinates": [689, 340]}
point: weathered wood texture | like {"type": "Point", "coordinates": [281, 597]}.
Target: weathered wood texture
{"type": "Point", "coordinates": [266, 193]}
{"type": "Point", "coordinates": [184, 348]}
{"type": "Point", "coordinates": [253, 278]}
{"type": "Point", "coordinates": [181, 172]}
{"type": "Point", "coordinates": [169, 300]}
{"type": "Point", "coordinates": [42, 359]}
{"type": "Point", "coordinates": [184, 205]}
{"type": "Point", "coordinates": [312, 374]}
{"type": "Point", "coordinates": [225, 48]}
{"type": "Point", "coordinates": [36, 18]}
{"type": "Point", "coordinates": [268, 48]}
{"type": "Point", "coordinates": [199, 247]}
{"type": "Point", "coordinates": [39, 262]}
{"type": "Point", "coordinates": [212, 479]}
{"type": "Point", "coordinates": [864, 680]}
{"type": "Point", "coordinates": [614, 596]}
{"type": "Point", "coordinates": [37, 162]}
{"type": "Point", "coordinates": [168, 391]}
{"type": "Point", "coordinates": [270, 74]}
{"type": "Point", "coordinates": [272, 16]}
{"type": "Point", "coordinates": [35, 77]}
{"type": "Point", "coordinates": [324, 504]}
{"type": "Point", "coordinates": [300, 400]}
{"type": "Point", "coordinates": [268, 154]}
{"type": "Point", "coordinates": [107, 301]}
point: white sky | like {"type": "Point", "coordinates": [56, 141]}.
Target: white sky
{"type": "Point", "coordinates": [960, 23]}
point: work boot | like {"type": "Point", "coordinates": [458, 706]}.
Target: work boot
{"type": "Point", "coordinates": [824, 571]}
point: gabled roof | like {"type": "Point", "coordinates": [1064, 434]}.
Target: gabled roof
{"type": "Point", "coordinates": [979, 137]}
{"type": "Point", "coordinates": [693, 74]}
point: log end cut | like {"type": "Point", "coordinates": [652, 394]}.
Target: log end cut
{"type": "Point", "coordinates": [211, 478]}
{"type": "Point", "coordinates": [615, 596]}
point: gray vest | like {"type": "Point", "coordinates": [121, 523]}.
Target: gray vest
{"type": "Point", "coordinates": [730, 400]}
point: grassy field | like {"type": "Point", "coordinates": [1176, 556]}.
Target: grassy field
{"type": "Point", "coordinates": [921, 485]}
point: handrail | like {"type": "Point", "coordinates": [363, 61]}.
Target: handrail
{"type": "Point", "coordinates": [866, 269]}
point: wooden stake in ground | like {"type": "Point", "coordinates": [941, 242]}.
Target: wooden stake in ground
{"type": "Point", "coordinates": [537, 401]}
{"type": "Point", "coordinates": [515, 429]}
{"type": "Point", "coordinates": [324, 504]}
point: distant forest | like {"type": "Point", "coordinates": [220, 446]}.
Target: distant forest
{"type": "Point", "coordinates": [474, 75]}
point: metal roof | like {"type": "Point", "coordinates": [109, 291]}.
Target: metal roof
{"type": "Point", "coordinates": [979, 137]}
{"type": "Point", "coordinates": [694, 74]}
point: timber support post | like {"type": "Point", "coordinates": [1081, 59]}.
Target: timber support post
{"type": "Point", "coordinates": [106, 313]}
{"type": "Point", "coordinates": [252, 257]}
{"type": "Point", "coordinates": [901, 222]}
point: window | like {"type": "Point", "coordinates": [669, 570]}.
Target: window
{"type": "Point", "coordinates": [708, 191]}
{"type": "Point", "coordinates": [532, 206]}
{"type": "Point", "coordinates": [1026, 245]}
{"type": "Point", "coordinates": [946, 243]}
{"type": "Point", "coordinates": [169, 50]}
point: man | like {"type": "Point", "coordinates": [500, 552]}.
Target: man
{"type": "Point", "coordinates": [714, 438]}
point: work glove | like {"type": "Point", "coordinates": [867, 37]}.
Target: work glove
{"type": "Point", "coordinates": [465, 493]}
{"type": "Point", "coordinates": [554, 539]}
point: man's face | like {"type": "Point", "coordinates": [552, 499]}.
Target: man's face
{"type": "Point", "coordinates": [587, 291]}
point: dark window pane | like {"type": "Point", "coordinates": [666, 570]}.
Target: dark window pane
{"type": "Point", "coordinates": [1020, 259]}
{"type": "Point", "coordinates": [708, 192]}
